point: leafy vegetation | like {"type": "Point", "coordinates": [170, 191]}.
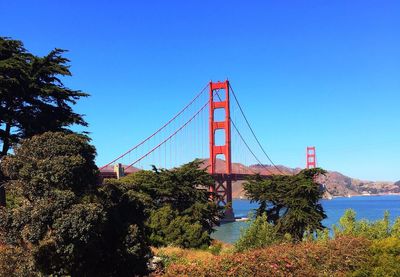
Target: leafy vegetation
{"type": "Point", "coordinates": [65, 224]}
{"type": "Point", "coordinates": [259, 234]}
{"type": "Point", "coordinates": [384, 251]}
{"type": "Point", "coordinates": [181, 213]}
{"type": "Point", "coordinates": [291, 203]}
{"type": "Point", "coordinates": [354, 251]}
{"type": "Point", "coordinates": [33, 99]}
{"type": "Point", "coordinates": [379, 229]}
{"type": "Point", "coordinates": [383, 259]}
{"type": "Point", "coordinates": [340, 256]}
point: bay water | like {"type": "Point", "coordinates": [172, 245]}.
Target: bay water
{"type": "Point", "coordinates": [367, 207]}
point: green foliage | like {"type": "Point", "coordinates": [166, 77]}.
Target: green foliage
{"type": "Point", "coordinates": [395, 231]}
{"type": "Point", "coordinates": [318, 236]}
{"type": "Point", "coordinates": [33, 98]}
{"type": "Point", "coordinates": [260, 233]}
{"type": "Point", "coordinates": [384, 259]}
{"type": "Point", "coordinates": [349, 225]}
{"type": "Point", "coordinates": [169, 228]}
{"type": "Point", "coordinates": [65, 223]}
{"type": "Point", "coordinates": [338, 257]}
{"type": "Point", "coordinates": [291, 203]}
{"type": "Point", "coordinates": [52, 161]}
{"type": "Point", "coordinates": [181, 213]}
{"type": "Point", "coordinates": [216, 247]}
{"type": "Point", "coordinates": [14, 261]}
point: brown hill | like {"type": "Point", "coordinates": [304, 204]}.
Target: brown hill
{"type": "Point", "coordinates": [336, 184]}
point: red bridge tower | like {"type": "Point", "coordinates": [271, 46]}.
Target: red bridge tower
{"type": "Point", "coordinates": [223, 181]}
{"type": "Point", "coordinates": [311, 157]}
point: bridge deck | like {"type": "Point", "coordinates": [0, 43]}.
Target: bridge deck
{"type": "Point", "coordinates": [217, 176]}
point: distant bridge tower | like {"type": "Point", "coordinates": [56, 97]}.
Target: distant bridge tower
{"type": "Point", "coordinates": [223, 184]}
{"type": "Point", "coordinates": [311, 157]}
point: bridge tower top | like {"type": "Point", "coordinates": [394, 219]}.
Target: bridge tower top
{"type": "Point", "coordinates": [311, 158]}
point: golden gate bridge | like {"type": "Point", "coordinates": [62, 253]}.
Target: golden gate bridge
{"type": "Point", "coordinates": [212, 128]}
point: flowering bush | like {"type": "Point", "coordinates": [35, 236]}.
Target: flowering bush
{"type": "Point", "coordinates": [335, 257]}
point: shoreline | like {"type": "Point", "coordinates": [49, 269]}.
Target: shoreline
{"type": "Point", "coordinates": [342, 196]}
{"type": "Point", "coordinates": [357, 195]}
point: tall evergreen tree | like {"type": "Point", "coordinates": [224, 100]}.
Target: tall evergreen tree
{"type": "Point", "coordinates": [33, 99]}
{"type": "Point", "coordinates": [179, 206]}
{"type": "Point", "coordinates": [291, 203]}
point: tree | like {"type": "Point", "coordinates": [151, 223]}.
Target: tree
{"type": "Point", "coordinates": [291, 203]}
{"type": "Point", "coordinates": [259, 234]}
{"type": "Point", "coordinates": [67, 224]}
{"type": "Point", "coordinates": [168, 227]}
{"type": "Point", "coordinates": [379, 229]}
{"type": "Point", "coordinates": [33, 99]}
{"type": "Point", "coordinates": [181, 212]}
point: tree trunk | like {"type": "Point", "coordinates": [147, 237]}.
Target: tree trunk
{"type": "Point", "coordinates": [6, 147]}
{"type": "Point", "coordinates": [6, 140]}
{"type": "Point", "coordinates": [2, 196]}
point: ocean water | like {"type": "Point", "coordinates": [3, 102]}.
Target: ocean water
{"type": "Point", "coordinates": [368, 207]}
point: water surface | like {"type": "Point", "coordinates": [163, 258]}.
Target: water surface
{"type": "Point", "coordinates": [368, 207]}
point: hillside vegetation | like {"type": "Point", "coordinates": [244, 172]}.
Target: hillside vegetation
{"type": "Point", "coordinates": [358, 248]}
{"type": "Point", "coordinates": [336, 184]}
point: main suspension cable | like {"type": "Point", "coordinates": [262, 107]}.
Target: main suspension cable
{"type": "Point", "coordinates": [159, 130]}
{"type": "Point", "coordinates": [245, 143]}
{"type": "Point", "coordinates": [168, 138]}
{"type": "Point", "coordinates": [252, 131]}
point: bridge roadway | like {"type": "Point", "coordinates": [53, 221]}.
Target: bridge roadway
{"type": "Point", "coordinates": [217, 176]}
{"type": "Point", "coordinates": [235, 176]}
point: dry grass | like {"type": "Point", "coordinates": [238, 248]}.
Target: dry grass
{"type": "Point", "coordinates": [193, 255]}
{"type": "Point", "coordinates": [183, 255]}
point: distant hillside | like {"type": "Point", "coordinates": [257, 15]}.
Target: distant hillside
{"type": "Point", "coordinates": [336, 184]}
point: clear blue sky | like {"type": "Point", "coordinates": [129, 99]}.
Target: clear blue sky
{"type": "Point", "coordinates": [323, 73]}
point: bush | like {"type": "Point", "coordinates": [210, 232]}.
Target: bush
{"type": "Point", "coordinates": [178, 201]}
{"type": "Point", "coordinates": [384, 259]}
{"type": "Point", "coordinates": [169, 228]}
{"type": "Point", "coordinates": [336, 257]}
{"type": "Point", "coordinates": [395, 232]}
{"type": "Point", "coordinates": [64, 223]}
{"type": "Point", "coordinates": [259, 234]}
{"type": "Point", "coordinates": [379, 229]}
{"type": "Point", "coordinates": [14, 261]}
{"type": "Point", "coordinates": [216, 247]}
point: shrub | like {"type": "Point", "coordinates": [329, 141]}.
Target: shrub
{"type": "Point", "coordinates": [64, 223]}
{"type": "Point", "coordinates": [259, 234]}
{"type": "Point", "coordinates": [216, 247]}
{"type": "Point", "coordinates": [14, 261]}
{"type": "Point", "coordinates": [384, 259]}
{"type": "Point", "coordinates": [336, 257]}
{"type": "Point", "coordinates": [181, 212]}
{"type": "Point", "coordinates": [379, 229]}
{"type": "Point", "coordinates": [169, 228]}
{"type": "Point", "coordinates": [395, 232]}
